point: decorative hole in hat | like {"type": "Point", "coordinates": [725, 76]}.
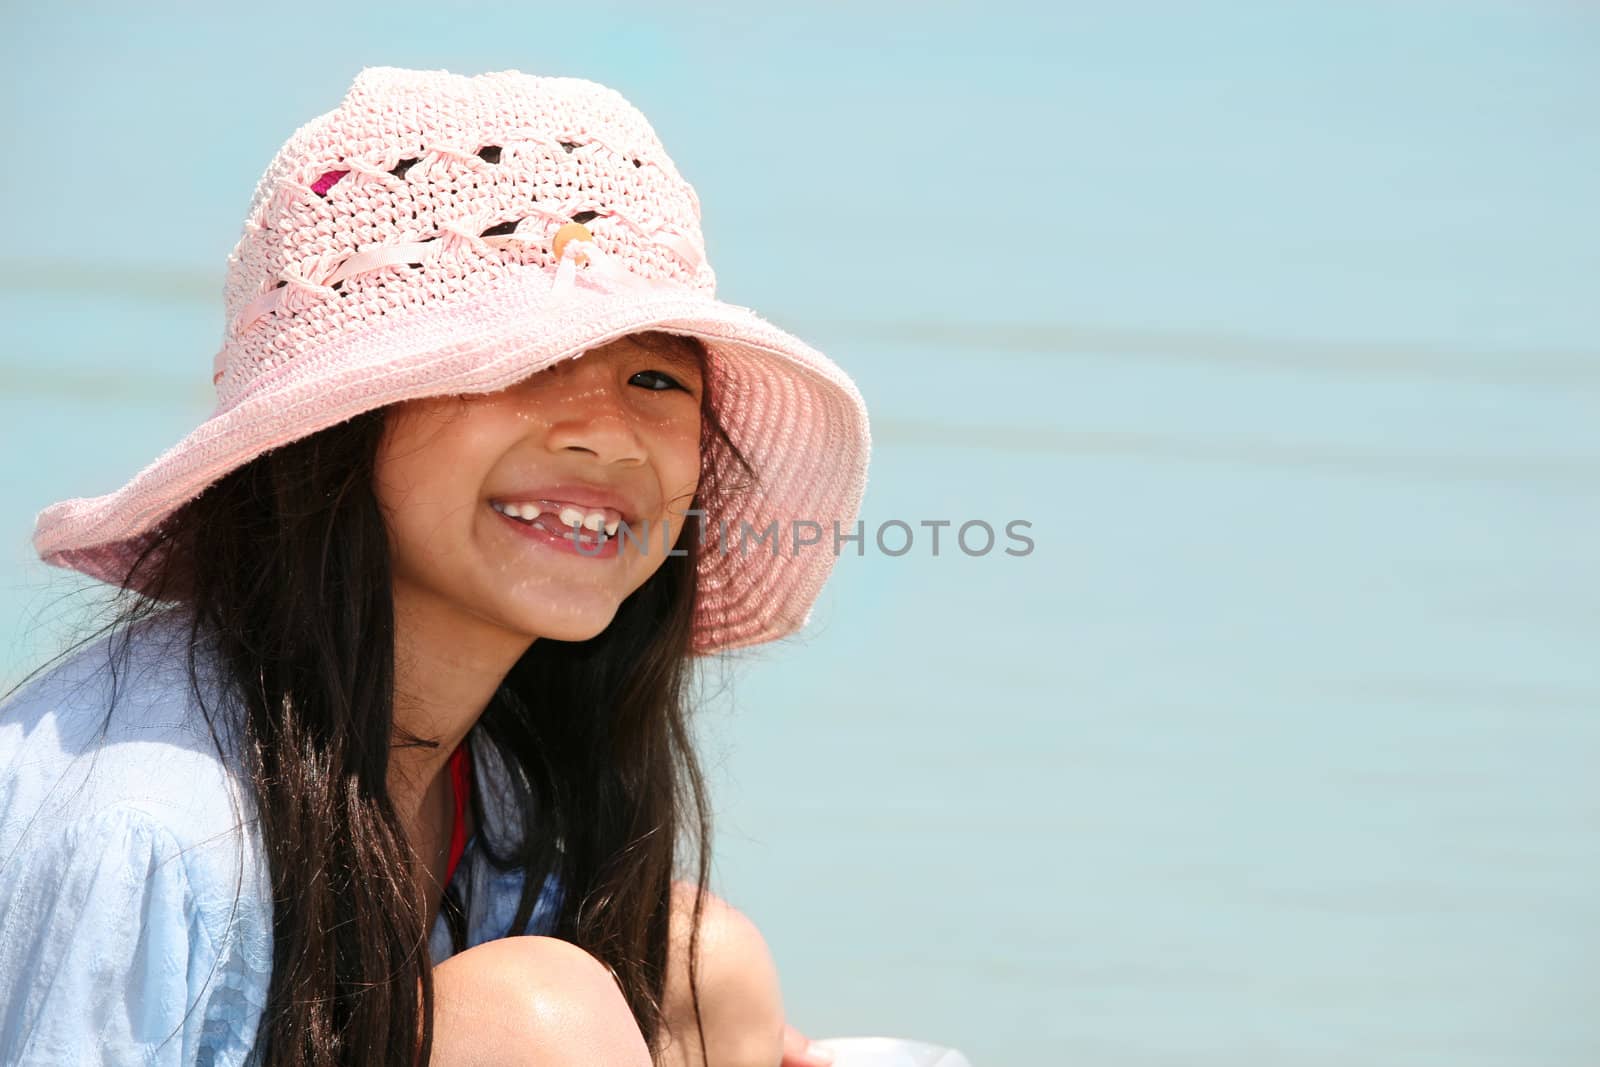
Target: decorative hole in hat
{"type": "Point", "coordinates": [326, 182]}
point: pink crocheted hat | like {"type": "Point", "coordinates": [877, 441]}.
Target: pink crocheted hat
{"type": "Point", "coordinates": [438, 234]}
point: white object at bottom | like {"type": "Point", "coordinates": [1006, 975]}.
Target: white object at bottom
{"type": "Point", "coordinates": [889, 1052]}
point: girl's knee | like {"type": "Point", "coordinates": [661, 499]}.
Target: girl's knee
{"type": "Point", "coordinates": [741, 1003]}
{"type": "Point", "coordinates": [532, 1000]}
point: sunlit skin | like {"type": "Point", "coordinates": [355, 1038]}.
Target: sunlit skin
{"type": "Point", "coordinates": [624, 417]}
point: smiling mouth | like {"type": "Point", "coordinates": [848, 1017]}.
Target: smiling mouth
{"type": "Point", "coordinates": [549, 520]}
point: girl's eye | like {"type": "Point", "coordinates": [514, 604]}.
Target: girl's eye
{"type": "Point", "coordinates": [663, 381]}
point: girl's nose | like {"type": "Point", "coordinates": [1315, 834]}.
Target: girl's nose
{"type": "Point", "coordinates": [590, 414]}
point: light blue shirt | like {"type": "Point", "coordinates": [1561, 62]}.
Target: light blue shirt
{"type": "Point", "coordinates": [135, 901]}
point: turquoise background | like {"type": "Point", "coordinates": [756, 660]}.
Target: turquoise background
{"type": "Point", "coordinates": [1278, 322]}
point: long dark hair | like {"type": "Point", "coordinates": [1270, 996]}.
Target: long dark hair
{"type": "Point", "coordinates": [284, 568]}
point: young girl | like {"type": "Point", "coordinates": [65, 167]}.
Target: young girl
{"type": "Point", "coordinates": [383, 756]}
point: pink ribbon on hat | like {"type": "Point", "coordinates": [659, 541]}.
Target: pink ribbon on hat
{"type": "Point", "coordinates": [598, 268]}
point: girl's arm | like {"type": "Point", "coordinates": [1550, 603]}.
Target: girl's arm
{"type": "Point", "coordinates": [106, 956]}
{"type": "Point", "coordinates": [741, 1005]}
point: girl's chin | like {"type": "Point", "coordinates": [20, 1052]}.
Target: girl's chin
{"type": "Point", "coordinates": [575, 624]}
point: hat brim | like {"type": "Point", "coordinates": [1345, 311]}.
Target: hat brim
{"type": "Point", "coordinates": [788, 408]}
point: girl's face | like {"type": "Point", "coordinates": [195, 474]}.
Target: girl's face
{"type": "Point", "coordinates": [613, 435]}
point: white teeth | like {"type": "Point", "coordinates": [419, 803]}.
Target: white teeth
{"type": "Point", "coordinates": [568, 516]}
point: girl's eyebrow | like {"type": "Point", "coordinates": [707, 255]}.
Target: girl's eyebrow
{"type": "Point", "coordinates": [677, 355]}
{"type": "Point", "coordinates": [676, 350]}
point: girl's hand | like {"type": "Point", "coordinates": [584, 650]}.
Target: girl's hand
{"type": "Point", "coordinates": [797, 1051]}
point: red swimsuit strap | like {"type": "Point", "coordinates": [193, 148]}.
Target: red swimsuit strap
{"type": "Point", "coordinates": [461, 787]}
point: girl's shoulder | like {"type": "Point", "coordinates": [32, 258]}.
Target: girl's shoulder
{"type": "Point", "coordinates": [117, 724]}
{"type": "Point", "coordinates": [129, 861]}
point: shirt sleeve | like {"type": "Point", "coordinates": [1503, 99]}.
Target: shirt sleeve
{"type": "Point", "coordinates": [103, 957]}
